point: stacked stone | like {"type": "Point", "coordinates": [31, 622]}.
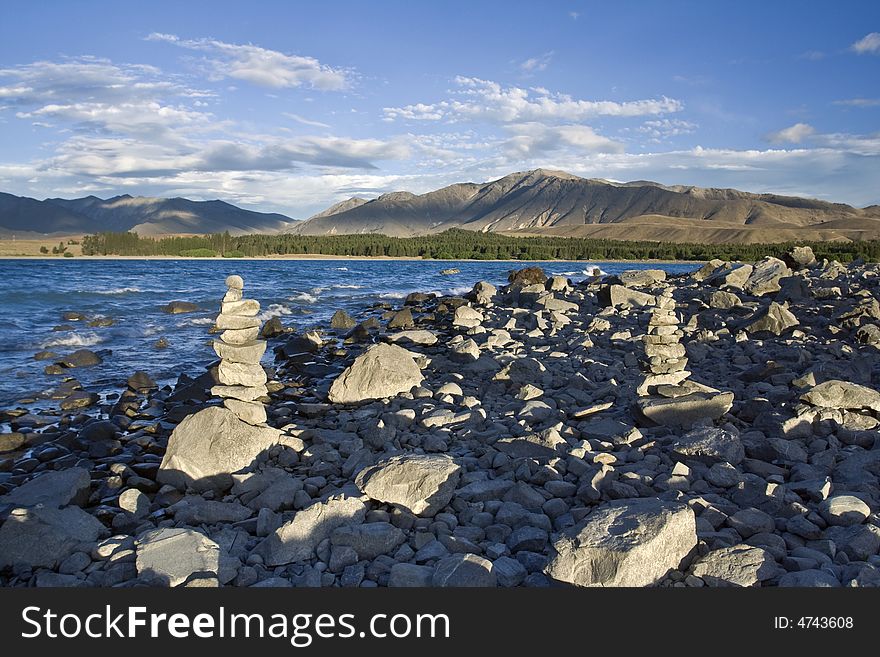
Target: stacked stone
{"type": "Point", "coordinates": [664, 359]}
{"type": "Point", "coordinates": [242, 378]}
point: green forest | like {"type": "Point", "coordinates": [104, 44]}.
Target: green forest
{"type": "Point", "coordinates": [456, 244]}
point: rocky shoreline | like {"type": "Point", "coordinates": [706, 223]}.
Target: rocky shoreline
{"type": "Point", "coordinates": [718, 428]}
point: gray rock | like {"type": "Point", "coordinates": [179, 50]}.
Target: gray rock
{"type": "Point", "coordinates": [843, 395]}
{"type": "Point", "coordinates": [483, 293]}
{"type": "Point", "coordinates": [410, 575]}
{"type": "Point", "coordinates": [618, 296]}
{"type": "Point", "coordinates": [382, 371]}
{"type": "Point", "coordinates": [418, 336]}
{"type": "Point", "coordinates": [801, 257]}
{"type": "Point", "coordinates": [195, 510]}
{"type": "Point", "coordinates": [419, 483]}
{"type": "Point", "coordinates": [43, 536]}
{"type": "Point", "coordinates": [54, 488]}
{"type": "Point", "coordinates": [135, 502]}
{"type": "Point", "coordinates": [776, 319]}
{"type": "Point", "coordinates": [466, 317]}
{"type": "Point", "coordinates": [297, 540]}
{"type": "Point", "coordinates": [464, 570]}
{"type": "Point", "coordinates": [509, 572]}
{"type": "Point", "coordinates": [171, 556]}
{"type": "Point", "coordinates": [765, 276]}
{"type": "Point", "coordinates": [631, 542]}
{"type": "Point", "coordinates": [341, 320]}
{"type": "Point", "coordinates": [369, 540]}
{"type": "Point", "coordinates": [710, 445]}
{"type": "Point", "coordinates": [739, 565]}
{"type": "Point", "coordinates": [844, 510]}
{"type": "Point", "coordinates": [687, 410]}
{"type": "Point", "coordinates": [80, 358]}
{"type": "Point", "coordinates": [812, 578]}
{"type": "Point", "coordinates": [207, 447]}
{"type": "Point", "coordinates": [642, 277]}
{"type": "Point", "coordinates": [179, 307]}
{"type": "Point", "coordinates": [748, 522]}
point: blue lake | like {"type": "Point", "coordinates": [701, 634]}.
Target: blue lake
{"type": "Point", "coordinates": [303, 293]}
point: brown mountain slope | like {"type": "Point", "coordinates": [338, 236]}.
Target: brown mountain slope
{"type": "Point", "coordinates": [557, 202]}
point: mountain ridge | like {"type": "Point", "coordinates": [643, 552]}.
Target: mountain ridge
{"type": "Point", "coordinates": [536, 202]}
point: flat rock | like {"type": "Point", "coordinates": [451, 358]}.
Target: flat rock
{"type": "Point", "coordinates": [42, 537]}
{"type": "Point", "coordinates": [297, 540]}
{"type": "Point", "coordinates": [422, 484]}
{"type": "Point", "coordinates": [173, 555]}
{"type": "Point", "coordinates": [179, 307]}
{"type": "Point", "coordinates": [619, 296]}
{"type": "Point", "coordinates": [382, 371]}
{"type": "Point", "coordinates": [765, 276]}
{"type": "Point", "coordinates": [630, 542]}
{"type": "Point", "coordinates": [241, 374]}
{"type": "Point", "coordinates": [467, 317]}
{"type": "Point", "coordinates": [687, 410]}
{"type": "Point", "coordinates": [248, 352]}
{"type": "Point", "coordinates": [464, 570]}
{"type": "Point", "coordinates": [208, 446]}
{"type": "Point", "coordinates": [843, 395]}
{"type": "Point", "coordinates": [369, 540]}
{"type": "Point", "coordinates": [418, 336]}
{"type": "Point", "coordinates": [54, 488]}
{"type": "Point", "coordinates": [739, 565]}
{"type": "Point", "coordinates": [195, 510]}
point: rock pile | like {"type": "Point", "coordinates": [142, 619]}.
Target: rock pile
{"type": "Point", "coordinates": [242, 377]}
{"type": "Point", "coordinates": [675, 401]}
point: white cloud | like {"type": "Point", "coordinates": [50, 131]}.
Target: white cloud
{"type": "Point", "coordinates": [484, 100]}
{"type": "Point", "coordinates": [535, 139]}
{"type": "Point", "coordinates": [304, 121]}
{"type": "Point", "coordinates": [536, 64]}
{"type": "Point", "coordinates": [870, 43]}
{"type": "Point", "coordinates": [794, 134]}
{"type": "Point", "coordinates": [859, 102]}
{"type": "Point", "coordinates": [659, 129]}
{"type": "Point", "coordinates": [262, 66]}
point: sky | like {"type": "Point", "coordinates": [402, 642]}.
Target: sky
{"type": "Point", "coordinates": [292, 106]}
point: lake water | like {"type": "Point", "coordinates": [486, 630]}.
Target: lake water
{"type": "Point", "coordinates": [303, 293]}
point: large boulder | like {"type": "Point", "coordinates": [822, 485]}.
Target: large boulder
{"type": "Point", "coordinates": [383, 370]}
{"type": "Point", "coordinates": [800, 257]}
{"type": "Point", "coordinates": [483, 293]}
{"type": "Point", "coordinates": [766, 275]}
{"type": "Point", "coordinates": [642, 277]}
{"type": "Point", "coordinates": [42, 537]}
{"type": "Point", "coordinates": [632, 542]}
{"type": "Point", "coordinates": [729, 274]}
{"type": "Point", "coordinates": [174, 555]}
{"type": "Point", "coordinates": [420, 483]}
{"type": "Point", "coordinates": [55, 488]}
{"type": "Point", "coordinates": [688, 410]}
{"type": "Point", "coordinates": [527, 276]}
{"type": "Point", "coordinates": [297, 540]}
{"type": "Point", "coordinates": [207, 447]}
{"type": "Point", "coordinates": [466, 317]}
{"type": "Point", "coordinates": [843, 395]}
{"type": "Point", "coordinates": [776, 319]}
{"type": "Point", "coordinates": [621, 296]}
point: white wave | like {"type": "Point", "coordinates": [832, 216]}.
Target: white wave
{"type": "Point", "coordinates": [566, 273]}
{"type": "Point", "coordinates": [274, 310]}
{"type": "Point", "coordinates": [345, 286]}
{"type": "Point", "coordinates": [303, 296]}
{"type": "Point", "coordinates": [317, 290]}
{"type": "Point", "coordinates": [393, 295]}
{"type": "Point", "coordinates": [116, 290]}
{"type": "Point", "coordinates": [591, 271]}
{"type": "Point", "coordinates": [458, 291]}
{"type": "Point", "coordinates": [154, 330]}
{"type": "Point", "coordinates": [198, 321]}
{"type": "Point", "coordinates": [74, 340]}
{"type": "Point", "coordinates": [340, 269]}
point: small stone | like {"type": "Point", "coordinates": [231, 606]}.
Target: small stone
{"type": "Point", "coordinates": [844, 510]}
{"type": "Point", "coordinates": [464, 570]}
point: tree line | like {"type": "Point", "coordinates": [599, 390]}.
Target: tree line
{"type": "Point", "coordinates": [456, 244]}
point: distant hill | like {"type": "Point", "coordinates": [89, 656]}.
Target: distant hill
{"type": "Point", "coordinates": [147, 216]}
{"type": "Point", "coordinates": [539, 202]}
{"type": "Point", "coordinates": [558, 203]}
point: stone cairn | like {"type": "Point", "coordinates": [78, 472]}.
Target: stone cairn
{"type": "Point", "coordinates": [242, 378]}
{"type": "Point", "coordinates": [665, 358]}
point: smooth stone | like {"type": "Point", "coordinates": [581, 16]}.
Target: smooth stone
{"type": "Point", "coordinates": [54, 488]}
{"type": "Point", "coordinates": [844, 510]}
{"type": "Point", "coordinates": [464, 570]}
{"type": "Point", "coordinates": [240, 336]}
{"type": "Point", "coordinates": [42, 537]}
{"type": "Point", "coordinates": [249, 352]}
{"type": "Point", "coordinates": [382, 371]}
{"type": "Point", "coordinates": [419, 483]}
{"type": "Point", "coordinates": [250, 412]}
{"type": "Point", "coordinates": [242, 308]}
{"type": "Point", "coordinates": [241, 374]}
{"type": "Point", "coordinates": [243, 393]}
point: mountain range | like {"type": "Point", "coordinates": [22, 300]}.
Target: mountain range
{"type": "Point", "coordinates": [539, 202]}
{"type": "Point", "coordinates": [23, 217]}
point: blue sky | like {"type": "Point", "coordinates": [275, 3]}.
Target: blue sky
{"type": "Point", "coordinates": [292, 106]}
